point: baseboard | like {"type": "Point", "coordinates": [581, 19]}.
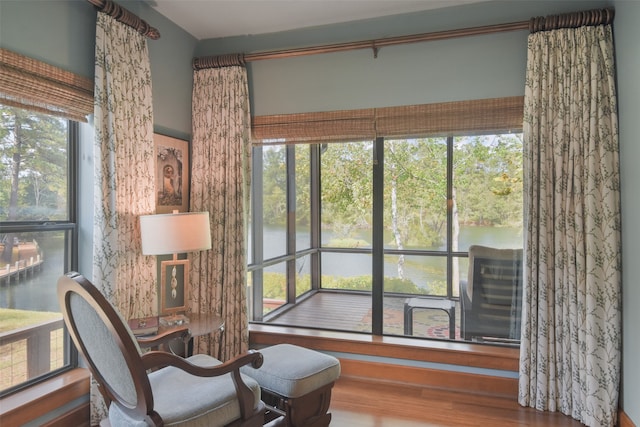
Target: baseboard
{"type": "Point", "coordinates": [432, 378]}
{"type": "Point", "coordinates": [624, 420]}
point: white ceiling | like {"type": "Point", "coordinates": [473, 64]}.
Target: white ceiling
{"type": "Point", "coordinates": [205, 19]}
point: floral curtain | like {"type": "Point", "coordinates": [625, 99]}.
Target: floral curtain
{"type": "Point", "coordinates": [571, 334]}
{"type": "Point", "coordinates": [220, 176]}
{"type": "Point", "coordinates": [124, 182]}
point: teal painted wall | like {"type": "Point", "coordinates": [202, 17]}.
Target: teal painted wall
{"type": "Point", "coordinates": [422, 73]}
{"type": "Point", "coordinates": [62, 33]}
{"type": "Point", "coordinates": [456, 69]}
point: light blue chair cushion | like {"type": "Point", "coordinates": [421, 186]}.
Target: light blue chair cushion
{"type": "Point", "coordinates": [293, 371]}
{"type": "Point", "coordinates": [103, 348]}
{"type": "Point", "coordinates": [185, 400]}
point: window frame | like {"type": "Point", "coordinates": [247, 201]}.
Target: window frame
{"type": "Point", "coordinates": [478, 117]}
{"type": "Point", "coordinates": [71, 249]}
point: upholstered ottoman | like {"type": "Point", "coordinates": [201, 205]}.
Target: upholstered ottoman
{"type": "Point", "coordinates": [296, 382]}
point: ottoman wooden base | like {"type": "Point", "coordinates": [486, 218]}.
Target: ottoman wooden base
{"type": "Point", "coordinates": [310, 410]}
{"type": "Point", "coordinates": [296, 385]}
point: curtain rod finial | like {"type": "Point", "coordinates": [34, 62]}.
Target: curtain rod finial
{"type": "Point", "coordinates": [127, 17]}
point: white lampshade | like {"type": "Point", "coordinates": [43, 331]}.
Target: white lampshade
{"type": "Point", "coordinates": [175, 233]}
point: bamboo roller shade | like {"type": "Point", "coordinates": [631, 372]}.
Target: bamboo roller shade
{"type": "Point", "coordinates": [37, 86]}
{"type": "Point", "coordinates": [439, 119]}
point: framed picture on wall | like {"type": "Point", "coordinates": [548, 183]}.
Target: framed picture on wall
{"type": "Point", "coordinates": [172, 174]}
{"type": "Point", "coordinates": [174, 287]}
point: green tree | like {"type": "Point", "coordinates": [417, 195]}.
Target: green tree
{"type": "Point", "coordinates": [488, 179]}
{"type": "Point", "coordinates": [415, 170]}
{"type": "Point", "coordinates": [303, 187]}
{"type": "Point", "coordinates": [346, 180]}
{"type": "Point", "coordinates": [274, 191]}
{"type": "Point", "coordinates": [486, 191]}
{"type": "Point", "coordinates": [33, 153]}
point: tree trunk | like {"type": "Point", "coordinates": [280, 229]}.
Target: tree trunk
{"type": "Point", "coordinates": [13, 197]}
{"type": "Point", "coordinates": [394, 222]}
{"type": "Point", "coordinates": [455, 236]}
{"type": "Point", "coordinates": [15, 169]}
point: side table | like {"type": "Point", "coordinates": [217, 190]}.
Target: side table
{"type": "Point", "coordinates": [445, 305]}
{"type": "Point", "coordinates": [198, 325]}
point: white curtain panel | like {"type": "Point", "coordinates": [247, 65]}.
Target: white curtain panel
{"type": "Point", "coordinates": [220, 175]}
{"type": "Point", "coordinates": [124, 179]}
{"type": "Point", "coordinates": [571, 333]}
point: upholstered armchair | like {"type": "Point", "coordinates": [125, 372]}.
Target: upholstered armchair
{"type": "Point", "coordinates": [155, 388]}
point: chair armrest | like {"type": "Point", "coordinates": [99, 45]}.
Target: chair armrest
{"type": "Point", "coordinates": [464, 296]}
{"type": "Point", "coordinates": [465, 308]}
{"type": "Point", "coordinates": [160, 359]}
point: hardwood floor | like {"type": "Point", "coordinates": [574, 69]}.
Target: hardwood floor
{"type": "Point", "coordinates": [365, 403]}
{"type": "Point", "coordinates": [372, 393]}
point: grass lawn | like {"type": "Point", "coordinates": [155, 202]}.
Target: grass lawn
{"type": "Point", "coordinates": [13, 355]}
{"type": "Point", "coordinates": [16, 319]}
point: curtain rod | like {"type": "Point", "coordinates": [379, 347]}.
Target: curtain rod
{"type": "Point", "coordinates": [204, 62]}
{"type": "Point", "coordinates": [127, 17]}
{"type": "Point", "coordinates": [550, 22]}
{"type": "Point", "coordinates": [390, 41]}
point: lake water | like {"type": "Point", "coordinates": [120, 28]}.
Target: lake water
{"type": "Point", "coordinates": [422, 270]}
{"type": "Point", "coordinates": [36, 292]}
{"type": "Point", "coordinates": [39, 292]}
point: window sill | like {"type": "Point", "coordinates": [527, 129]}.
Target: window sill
{"type": "Point", "coordinates": [24, 406]}
{"type": "Point", "coordinates": [419, 350]}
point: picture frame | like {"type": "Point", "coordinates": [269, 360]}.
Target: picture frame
{"type": "Point", "coordinates": [173, 277]}
{"type": "Point", "coordinates": [171, 174]}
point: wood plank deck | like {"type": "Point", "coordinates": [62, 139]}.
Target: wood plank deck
{"type": "Point", "coordinates": [343, 311]}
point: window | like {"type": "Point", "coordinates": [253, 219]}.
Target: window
{"type": "Point", "coordinates": [37, 243]}
{"type": "Point", "coordinates": [440, 196]}
{"type": "Point", "coordinates": [352, 231]}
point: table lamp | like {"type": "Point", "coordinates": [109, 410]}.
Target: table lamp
{"type": "Point", "coordinates": [172, 234]}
